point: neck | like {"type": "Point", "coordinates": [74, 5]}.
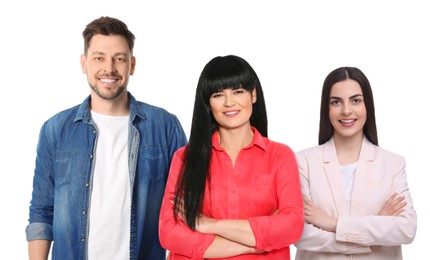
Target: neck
{"type": "Point", "coordinates": [235, 139]}
{"type": "Point", "coordinates": [348, 148]}
{"type": "Point", "coordinates": [115, 107]}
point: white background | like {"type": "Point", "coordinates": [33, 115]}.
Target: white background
{"type": "Point", "coordinates": [292, 46]}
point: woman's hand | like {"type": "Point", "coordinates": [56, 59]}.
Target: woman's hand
{"type": "Point", "coordinates": [317, 217]}
{"type": "Point", "coordinates": [227, 243]}
{"type": "Point", "coordinates": [394, 206]}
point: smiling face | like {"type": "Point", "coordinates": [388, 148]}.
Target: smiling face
{"type": "Point", "coordinates": [232, 108]}
{"type": "Point", "coordinates": [108, 64]}
{"type": "Point", "coordinates": [347, 110]}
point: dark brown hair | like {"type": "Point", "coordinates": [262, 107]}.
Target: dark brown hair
{"type": "Point", "coordinates": [107, 26]}
{"type": "Point", "coordinates": [341, 74]}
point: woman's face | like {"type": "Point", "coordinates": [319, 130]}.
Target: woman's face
{"type": "Point", "coordinates": [232, 108]}
{"type": "Point", "coordinates": [347, 110]}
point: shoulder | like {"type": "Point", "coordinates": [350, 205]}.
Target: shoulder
{"type": "Point", "coordinates": [278, 148]}
{"type": "Point", "coordinates": [153, 113]}
{"type": "Point", "coordinates": [62, 118]}
{"type": "Point", "coordinates": [372, 152]}
{"type": "Point", "coordinates": [152, 110]}
{"type": "Point", "coordinates": [310, 152]}
{"type": "Point", "coordinates": [385, 155]}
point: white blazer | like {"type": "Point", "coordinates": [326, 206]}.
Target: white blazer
{"type": "Point", "coordinates": [360, 234]}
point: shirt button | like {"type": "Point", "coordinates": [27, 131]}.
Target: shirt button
{"type": "Point", "coordinates": [87, 184]}
{"type": "Point", "coordinates": [91, 156]}
{"type": "Point", "coordinates": [83, 239]}
{"type": "Point", "coordinates": [84, 212]}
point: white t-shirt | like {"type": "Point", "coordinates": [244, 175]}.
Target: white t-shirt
{"type": "Point", "coordinates": [109, 228]}
{"type": "Point", "coordinates": [348, 172]}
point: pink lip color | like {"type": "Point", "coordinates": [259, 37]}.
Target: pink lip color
{"type": "Point", "coordinates": [347, 124]}
{"type": "Point", "coordinates": [232, 113]}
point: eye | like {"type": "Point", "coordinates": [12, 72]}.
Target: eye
{"type": "Point", "coordinates": [216, 95]}
{"type": "Point", "coordinates": [98, 58]}
{"type": "Point", "coordinates": [239, 91]}
{"type": "Point", "coordinates": [356, 101]}
{"type": "Point", "coordinates": [119, 59]}
{"type": "Point", "coordinates": [335, 102]}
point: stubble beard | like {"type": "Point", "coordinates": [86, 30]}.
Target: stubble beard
{"type": "Point", "coordinates": [108, 95]}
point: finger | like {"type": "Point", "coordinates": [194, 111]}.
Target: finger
{"type": "Point", "coordinates": [308, 203]}
{"type": "Point", "coordinates": [399, 199]}
{"type": "Point", "coordinates": [400, 206]}
{"type": "Point", "coordinates": [392, 197]}
{"type": "Point", "coordinates": [306, 200]}
{"type": "Point", "coordinates": [398, 212]}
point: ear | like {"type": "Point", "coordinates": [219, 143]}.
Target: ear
{"type": "Point", "coordinates": [133, 65]}
{"type": "Point", "coordinates": [254, 95]}
{"type": "Point", "coordinates": [84, 63]}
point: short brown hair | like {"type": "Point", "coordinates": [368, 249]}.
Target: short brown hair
{"type": "Point", "coordinates": [107, 26]}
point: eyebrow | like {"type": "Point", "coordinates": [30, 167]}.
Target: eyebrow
{"type": "Point", "coordinates": [103, 53]}
{"type": "Point", "coordinates": [97, 53]}
{"type": "Point", "coordinates": [351, 97]}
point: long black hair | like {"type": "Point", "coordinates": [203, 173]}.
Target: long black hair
{"type": "Point", "coordinates": [341, 74]}
{"type": "Point", "coordinates": [223, 72]}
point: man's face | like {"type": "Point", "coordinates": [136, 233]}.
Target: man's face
{"type": "Point", "coordinates": [108, 65]}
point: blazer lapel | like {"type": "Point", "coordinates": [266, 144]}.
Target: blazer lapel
{"type": "Point", "coordinates": [334, 177]}
{"type": "Point", "coordinates": [363, 174]}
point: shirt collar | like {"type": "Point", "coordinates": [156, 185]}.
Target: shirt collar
{"type": "Point", "coordinates": [84, 112]}
{"type": "Point", "coordinates": [257, 140]}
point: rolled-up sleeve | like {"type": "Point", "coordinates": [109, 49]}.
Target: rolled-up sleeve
{"type": "Point", "coordinates": [174, 235]}
{"type": "Point", "coordinates": [42, 201]}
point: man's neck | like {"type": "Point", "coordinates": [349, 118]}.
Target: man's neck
{"type": "Point", "coordinates": [116, 107]}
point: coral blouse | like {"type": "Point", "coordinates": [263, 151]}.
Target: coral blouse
{"type": "Point", "coordinates": [263, 187]}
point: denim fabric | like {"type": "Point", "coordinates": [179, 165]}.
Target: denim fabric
{"type": "Point", "coordinates": [63, 177]}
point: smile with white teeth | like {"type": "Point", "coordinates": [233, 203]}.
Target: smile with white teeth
{"type": "Point", "coordinates": [347, 120]}
{"type": "Point", "coordinates": [108, 80]}
{"type": "Point", "coordinates": [231, 112]}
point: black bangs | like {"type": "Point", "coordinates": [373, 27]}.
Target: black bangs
{"type": "Point", "coordinates": [228, 72]}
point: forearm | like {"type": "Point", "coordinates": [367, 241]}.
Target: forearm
{"type": "Point", "coordinates": [318, 240]}
{"type": "Point", "coordinates": [377, 230]}
{"type": "Point", "coordinates": [222, 247]}
{"type": "Point", "coordinates": [38, 249]}
{"type": "Point", "coordinates": [236, 230]}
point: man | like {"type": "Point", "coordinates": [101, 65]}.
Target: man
{"type": "Point", "coordinates": [101, 166]}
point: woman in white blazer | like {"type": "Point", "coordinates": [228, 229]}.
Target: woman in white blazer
{"type": "Point", "coordinates": [357, 200]}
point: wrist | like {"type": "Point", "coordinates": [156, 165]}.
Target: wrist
{"type": "Point", "coordinates": [334, 225]}
{"type": "Point", "coordinates": [207, 225]}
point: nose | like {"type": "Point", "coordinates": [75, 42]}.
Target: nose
{"type": "Point", "coordinates": [228, 99]}
{"type": "Point", "coordinates": [110, 67]}
{"type": "Point", "coordinates": [346, 110]}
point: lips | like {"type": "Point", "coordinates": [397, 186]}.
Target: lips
{"type": "Point", "coordinates": [347, 122]}
{"type": "Point", "coordinates": [231, 113]}
{"type": "Point", "coordinates": [108, 80]}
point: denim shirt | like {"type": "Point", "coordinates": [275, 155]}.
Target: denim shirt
{"type": "Point", "coordinates": [61, 198]}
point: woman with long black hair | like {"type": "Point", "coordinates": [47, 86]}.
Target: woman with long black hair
{"type": "Point", "coordinates": [231, 191]}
